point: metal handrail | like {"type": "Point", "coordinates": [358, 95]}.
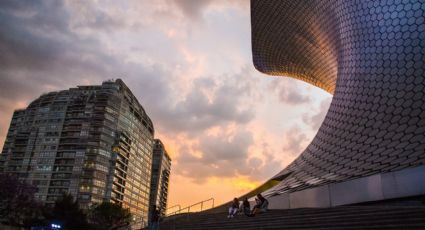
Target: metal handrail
{"type": "Point", "coordinates": [188, 207]}
{"type": "Point", "coordinates": [177, 205]}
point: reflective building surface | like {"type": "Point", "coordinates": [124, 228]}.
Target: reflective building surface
{"type": "Point", "coordinates": [370, 56]}
{"type": "Point", "coordinates": [94, 142]}
{"type": "Point", "coordinates": [161, 168]}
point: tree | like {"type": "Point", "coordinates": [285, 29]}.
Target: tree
{"type": "Point", "coordinates": [18, 206]}
{"type": "Point", "coordinates": [67, 212]}
{"type": "Point", "coordinates": [109, 216]}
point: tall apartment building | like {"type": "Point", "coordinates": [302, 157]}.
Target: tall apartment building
{"type": "Point", "coordinates": [161, 168]}
{"type": "Point", "coordinates": [94, 142]}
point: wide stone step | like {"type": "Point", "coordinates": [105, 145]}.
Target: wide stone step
{"type": "Point", "coordinates": [274, 225]}
{"type": "Point", "coordinates": [371, 219]}
{"type": "Point", "coordinates": [327, 227]}
{"type": "Point", "coordinates": [322, 218]}
{"type": "Point", "coordinates": [273, 214]}
{"type": "Point", "coordinates": [329, 210]}
{"type": "Point", "coordinates": [357, 217]}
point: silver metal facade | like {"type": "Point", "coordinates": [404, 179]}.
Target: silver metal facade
{"type": "Point", "coordinates": [371, 56]}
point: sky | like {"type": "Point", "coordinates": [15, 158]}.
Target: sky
{"type": "Point", "coordinates": [227, 127]}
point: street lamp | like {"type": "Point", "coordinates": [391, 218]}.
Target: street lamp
{"type": "Point", "coordinates": [56, 226]}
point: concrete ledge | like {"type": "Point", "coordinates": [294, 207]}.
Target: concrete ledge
{"type": "Point", "coordinates": [315, 197]}
{"type": "Point", "coordinates": [356, 191]}
{"type": "Point", "coordinates": [279, 201]}
{"type": "Point", "coordinates": [408, 182]}
{"type": "Point", "coordinates": [403, 183]}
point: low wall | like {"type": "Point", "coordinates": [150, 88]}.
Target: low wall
{"type": "Point", "coordinates": [403, 183]}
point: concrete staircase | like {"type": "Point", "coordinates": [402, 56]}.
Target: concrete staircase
{"type": "Point", "coordinates": [346, 217]}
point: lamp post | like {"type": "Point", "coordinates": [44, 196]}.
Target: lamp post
{"type": "Point", "coordinates": [55, 226]}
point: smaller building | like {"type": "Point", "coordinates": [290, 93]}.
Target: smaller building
{"type": "Point", "coordinates": [161, 168]}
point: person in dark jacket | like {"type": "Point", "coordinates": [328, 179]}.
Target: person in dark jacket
{"type": "Point", "coordinates": [261, 206]}
{"type": "Point", "coordinates": [246, 207]}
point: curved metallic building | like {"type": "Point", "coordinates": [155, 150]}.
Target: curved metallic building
{"type": "Point", "coordinates": [371, 56]}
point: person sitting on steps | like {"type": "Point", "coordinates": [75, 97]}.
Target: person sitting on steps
{"type": "Point", "coordinates": [261, 206]}
{"type": "Point", "coordinates": [246, 207]}
{"type": "Point", "coordinates": [234, 208]}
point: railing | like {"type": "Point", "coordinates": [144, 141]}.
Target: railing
{"type": "Point", "coordinates": [136, 223]}
{"type": "Point", "coordinates": [182, 210]}
{"type": "Point", "coordinates": [177, 205]}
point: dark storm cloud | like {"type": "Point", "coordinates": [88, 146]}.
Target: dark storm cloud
{"type": "Point", "coordinates": [36, 38]}
{"type": "Point", "coordinates": [24, 34]}
{"type": "Point", "coordinates": [40, 53]}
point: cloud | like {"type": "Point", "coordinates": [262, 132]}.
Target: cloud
{"type": "Point", "coordinates": [195, 80]}
{"type": "Point", "coordinates": [223, 155]}
{"type": "Point", "coordinates": [208, 103]}
{"type": "Point", "coordinates": [314, 120]}
{"type": "Point", "coordinates": [41, 52]}
{"type": "Point", "coordinates": [271, 163]}
{"type": "Point", "coordinates": [225, 148]}
{"type": "Point", "coordinates": [295, 141]}
{"type": "Point", "coordinates": [288, 92]}
{"type": "Point", "coordinates": [228, 155]}
{"type": "Point", "coordinates": [20, 44]}
{"type": "Point", "coordinates": [192, 8]}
